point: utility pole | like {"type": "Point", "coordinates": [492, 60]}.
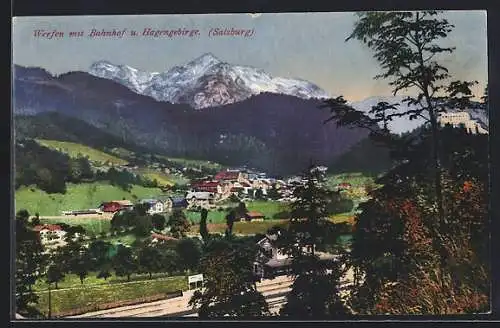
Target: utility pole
{"type": "Point", "coordinates": [50, 305]}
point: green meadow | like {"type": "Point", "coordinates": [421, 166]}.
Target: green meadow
{"type": "Point", "coordinates": [72, 295]}
{"type": "Point", "coordinates": [74, 149]}
{"type": "Point", "coordinates": [77, 196]}
{"type": "Point", "coordinates": [92, 225]}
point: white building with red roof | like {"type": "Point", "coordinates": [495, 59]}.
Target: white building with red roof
{"type": "Point", "coordinates": [51, 235]}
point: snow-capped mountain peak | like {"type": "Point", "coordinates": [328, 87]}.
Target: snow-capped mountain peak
{"type": "Point", "coordinates": [132, 78]}
{"type": "Point", "coordinates": [206, 60]}
{"type": "Point", "coordinates": [205, 81]}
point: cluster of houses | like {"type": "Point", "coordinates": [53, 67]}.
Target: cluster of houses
{"type": "Point", "coordinates": [210, 191]}
{"type": "Point", "coordinates": [160, 204]}
{"type": "Point", "coordinates": [205, 193]}
{"type": "Point", "coordinates": [244, 183]}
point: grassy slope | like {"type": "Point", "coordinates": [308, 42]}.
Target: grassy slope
{"type": "Point", "coordinates": [92, 226]}
{"type": "Point", "coordinates": [116, 157]}
{"type": "Point", "coordinates": [73, 149]}
{"type": "Point", "coordinates": [194, 163]}
{"type": "Point", "coordinates": [78, 196]}
{"type": "Point", "coordinates": [162, 178]}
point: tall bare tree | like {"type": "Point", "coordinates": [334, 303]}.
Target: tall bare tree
{"type": "Point", "coordinates": [406, 45]}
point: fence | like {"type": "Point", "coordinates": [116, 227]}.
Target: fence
{"type": "Point", "coordinates": [107, 306]}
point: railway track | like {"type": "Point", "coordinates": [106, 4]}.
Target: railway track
{"type": "Point", "coordinates": [275, 292]}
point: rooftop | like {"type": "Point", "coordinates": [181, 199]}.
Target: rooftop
{"type": "Point", "coordinates": [227, 175]}
{"type": "Point", "coordinates": [123, 202]}
{"type": "Point", "coordinates": [50, 227]}
{"type": "Point", "coordinates": [254, 214]}
{"type": "Point", "coordinates": [149, 201]}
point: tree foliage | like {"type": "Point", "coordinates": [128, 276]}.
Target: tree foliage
{"type": "Point", "coordinates": [99, 253]}
{"type": "Point", "coordinates": [315, 291]}
{"type": "Point", "coordinates": [75, 255]}
{"type": "Point", "coordinates": [158, 221]}
{"type": "Point", "coordinates": [406, 45]}
{"type": "Point", "coordinates": [150, 260]}
{"type": "Point", "coordinates": [203, 225]}
{"type": "Point", "coordinates": [189, 251]}
{"type": "Point", "coordinates": [409, 261]}
{"type": "Point", "coordinates": [229, 286]}
{"type": "Point", "coordinates": [124, 262]}
{"type": "Point", "coordinates": [179, 224]}
{"type": "Point", "coordinates": [29, 264]}
{"type": "Point", "coordinates": [55, 274]}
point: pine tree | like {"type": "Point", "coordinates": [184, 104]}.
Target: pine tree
{"type": "Point", "coordinates": [315, 291]}
{"type": "Point", "coordinates": [203, 225]}
{"type": "Point", "coordinates": [406, 46]}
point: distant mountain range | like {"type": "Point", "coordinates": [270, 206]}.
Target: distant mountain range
{"type": "Point", "coordinates": [277, 133]}
{"type": "Point", "coordinates": [206, 109]}
{"type": "Point", "coordinates": [205, 82]}
{"type": "Point", "coordinates": [209, 82]}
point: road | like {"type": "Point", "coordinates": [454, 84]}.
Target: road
{"type": "Point", "coordinates": [274, 290]}
{"type": "Point", "coordinates": [104, 216]}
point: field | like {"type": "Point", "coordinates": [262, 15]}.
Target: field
{"type": "Point", "coordinates": [193, 163]}
{"type": "Point", "coordinates": [268, 208]}
{"type": "Point", "coordinates": [73, 149]}
{"type": "Point", "coordinates": [213, 216]}
{"type": "Point", "coordinates": [356, 179]}
{"type": "Point", "coordinates": [243, 228]}
{"type": "Point", "coordinates": [340, 218]}
{"type": "Point", "coordinates": [357, 193]}
{"type": "Point", "coordinates": [122, 152]}
{"type": "Point", "coordinates": [251, 228]}
{"type": "Point", "coordinates": [162, 178]}
{"type": "Point", "coordinates": [92, 226]}
{"type": "Point", "coordinates": [78, 196]}
{"type": "Point", "coordinates": [72, 295]}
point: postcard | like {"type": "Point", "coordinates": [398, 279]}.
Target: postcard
{"type": "Point", "coordinates": [254, 165]}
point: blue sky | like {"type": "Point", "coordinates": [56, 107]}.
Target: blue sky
{"type": "Point", "coordinates": [309, 46]}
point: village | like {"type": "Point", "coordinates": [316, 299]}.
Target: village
{"type": "Point", "coordinates": [221, 190]}
{"type": "Point", "coordinates": [209, 192]}
{"type": "Point", "coordinates": [228, 186]}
